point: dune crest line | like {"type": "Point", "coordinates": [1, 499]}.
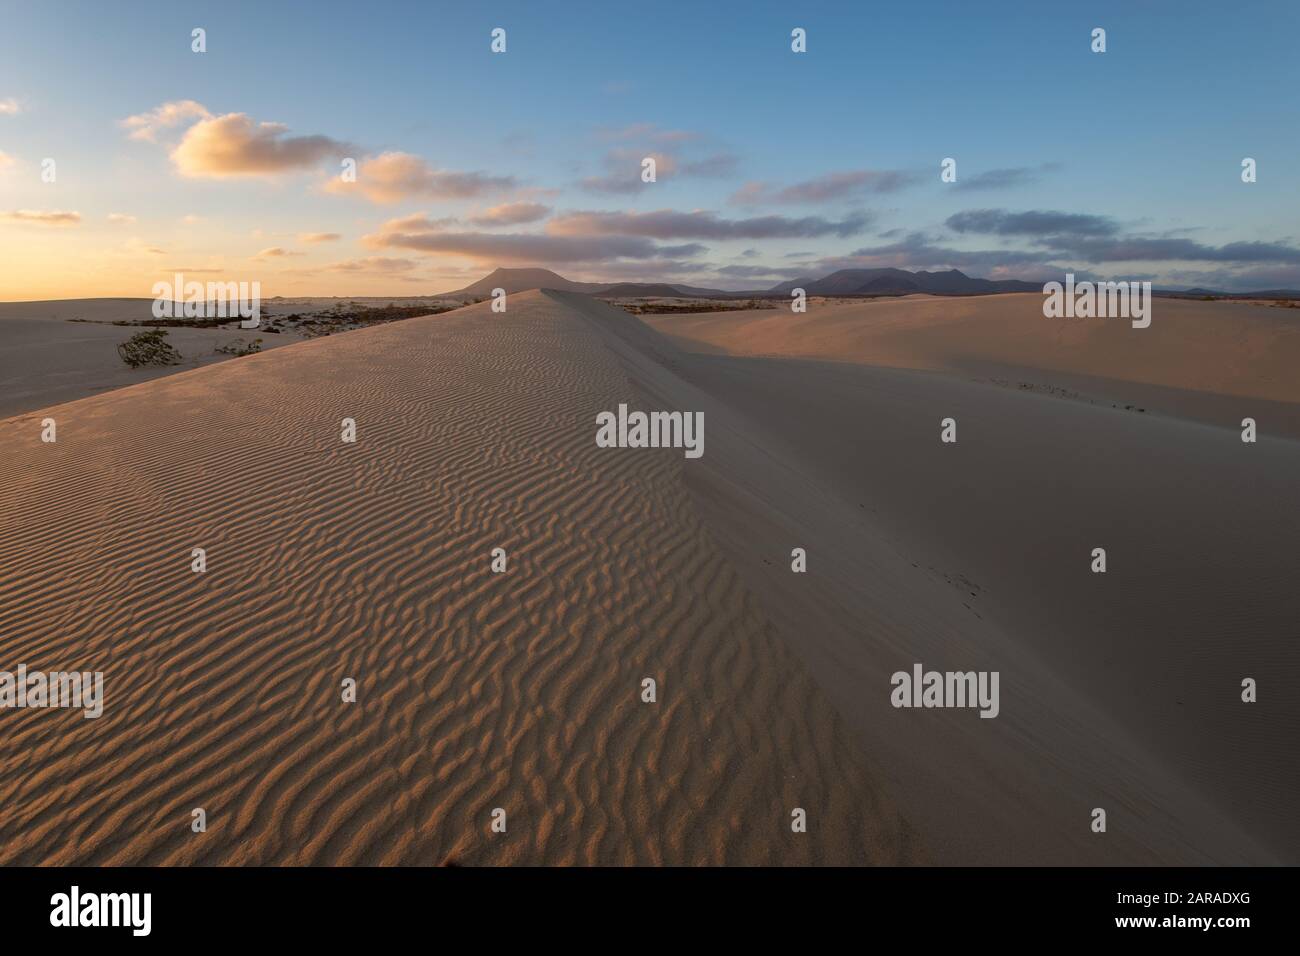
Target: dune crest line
{"type": "Point", "coordinates": [371, 560]}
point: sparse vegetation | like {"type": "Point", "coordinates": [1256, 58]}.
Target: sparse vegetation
{"type": "Point", "coordinates": [355, 317]}
{"type": "Point", "coordinates": [239, 347]}
{"type": "Point", "coordinates": [183, 323]}
{"type": "Point", "coordinates": [337, 317]}
{"type": "Point", "coordinates": [148, 348]}
{"type": "Point", "coordinates": [687, 306]}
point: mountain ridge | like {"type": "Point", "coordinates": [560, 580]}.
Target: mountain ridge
{"type": "Point", "coordinates": [842, 282]}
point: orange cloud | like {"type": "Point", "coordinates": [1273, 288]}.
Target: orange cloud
{"type": "Point", "coordinates": [233, 145]}
{"type": "Point", "coordinates": [46, 217]}
{"type": "Point", "coordinates": [146, 126]}
{"type": "Point", "coordinates": [391, 177]}
{"type": "Point", "coordinates": [512, 214]}
{"type": "Point", "coordinates": [424, 235]}
{"type": "Point", "coordinates": [382, 264]}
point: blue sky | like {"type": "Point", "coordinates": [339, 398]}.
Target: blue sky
{"type": "Point", "coordinates": [773, 164]}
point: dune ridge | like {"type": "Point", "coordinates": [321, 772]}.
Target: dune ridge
{"type": "Point", "coordinates": [371, 560]}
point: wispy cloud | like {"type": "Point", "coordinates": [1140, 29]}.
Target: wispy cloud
{"type": "Point", "coordinates": [623, 169]}
{"type": "Point", "coordinates": [512, 214]}
{"type": "Point", "coordinates": [424, 235]}
{"type": "Point", "coordinates": [1009, 178]}
{"type": "Point", "coordinates": [379, 264]}
{"type": "Point", "coordinates": [647, 133]}
{"type": "Point", "coordinates": [831, 187]}
{"type": "Point", "coordinates": [712, 166]}
{"type": "Point", "coordinates": [394, 176]}
{"type": "Point", "coordinates": [701, 224]}
{"type": "Point", "coordinates": [1127, 249]}
{"type": "Point", "coordinates": [1091, 238]}
{"type": "Point", "coordinates": [10, 107]}
{"type": "Point", "coordinates": [147, 126]}
{"type": "Point", "coordinates": [43, 217]}
{"type": "Point", "coordinates": [1034, 222]}
{"type": "Point", "coordinates": [318, 237]}
{"type": "Point", "coordinates": [677, 154]}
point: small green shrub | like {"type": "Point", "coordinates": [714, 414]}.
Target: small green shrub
{"type": "Point", "coordinates": [148, 348]}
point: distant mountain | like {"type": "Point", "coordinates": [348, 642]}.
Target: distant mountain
{"type": "Point", "coordinates": [888, 285]}
{"type": "Point", "coordinates": [521, 280]}
{"type": "Point", "coordinates": [784, 288]}
{"type": "Point", "coordinates": [902, 282]}
{"type": "Point", "coordinates": [698, 291]}
{"type": "Point", "coordinates": [843, 282]}
{"type": "Point", "coordinates": [1219, 294]}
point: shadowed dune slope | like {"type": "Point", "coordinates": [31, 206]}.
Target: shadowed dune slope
{"type": "Point", "coordinates": [372, 561]}
{"type": "Point", "coordinates": [1119, 691]}
{"type": "Point", "coordinates": [1214, 362]}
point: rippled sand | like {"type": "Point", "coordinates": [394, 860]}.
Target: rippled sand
{"type": "Point", "coordinates": [325, 560]}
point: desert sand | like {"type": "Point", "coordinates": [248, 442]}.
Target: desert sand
{"type": "Point", "coordinates": [476, 690]}
{"type": "Point", "coordinates": [48, 358]}
{"type": "Point", "coordinates": [522, 690]}
{"type": "Point", "coordinates": [65, 349]}
{"type": "Point", "coordinates": [1212, 361]}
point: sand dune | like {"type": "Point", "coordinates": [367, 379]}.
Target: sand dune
{"type": "Point", "coordinates": [520, 690]}
{"type": "Point", "coordinates": [477, 690]}
{"type": "Point", "coordinates": [1004, 521]}
{"type": "Point", "coordinates": [47, 361]}
{"type": "Point", "coordinates": [1215, 362]}
{"type": "Point", "coordinates": [64, 349]}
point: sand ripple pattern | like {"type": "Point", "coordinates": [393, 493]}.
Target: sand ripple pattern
{"type": "Point", "coordinates": [327, 560]}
